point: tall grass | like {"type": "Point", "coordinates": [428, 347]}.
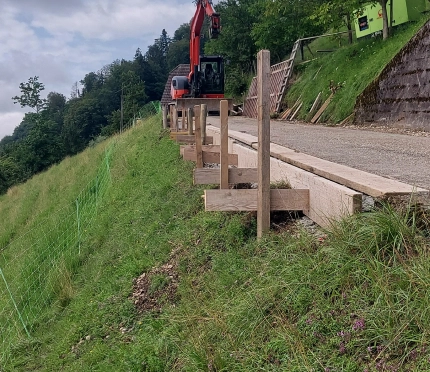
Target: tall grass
{"type": "Point", "coordinates": [357, 300]}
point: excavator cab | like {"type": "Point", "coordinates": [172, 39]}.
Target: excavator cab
{"type": "Point", "coordinates": [211, 76]}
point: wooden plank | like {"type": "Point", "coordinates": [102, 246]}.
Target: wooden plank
{"type": "Point", "coordinates": [213, 148]}
{"type": "Point", "coordinates": [322, 109]}
{"type": "Point", "coordinates": [247, 200]}
{"type": "Point", "coordinates": [367, 183]}
{"type": "Point", "coordinates": [164, 116]}
{"type": "Point", "coordinates": [285, 114]}
{"type": "Point", "coordinates": [210, 157]}
{"type": "Point", "coordinates": [192, 139]}
{"type": "Point", "coordinates": [184, 120]}
{"type": "Point", "coordinates": [316, 103]}
{"type": "Point", "coordinates": [198, 135]}
{"type": "Point", "coordinates": [263, 105]}
{"type": "Point", "coordinates": [210, 176]}
{"type": "Point", "coordinates": [224, 155]}
{"type": "Point", "coordinates": [297, 110]}
{"type": "Point", "coordinates": [203, 116]}
{"type": "Point", "coordinates": [190, 121]}
{"type": "Point", "coordinates": [174, 135]}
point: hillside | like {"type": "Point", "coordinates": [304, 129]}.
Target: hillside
{"type": "Point", "coordinates": [351, 67]}
{"type": "Point", "coordinates": [208, 295]}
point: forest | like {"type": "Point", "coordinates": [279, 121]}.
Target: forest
{"type": "Point", "coordinates": [58, 126]}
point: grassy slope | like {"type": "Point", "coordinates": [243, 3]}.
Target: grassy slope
{"type": "Point", "coordinates": [354, 66]}
{"type": "Point", "coordinates": [357, 300]}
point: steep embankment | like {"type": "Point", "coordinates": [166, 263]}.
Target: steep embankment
{"type": "Point", "coordinates": [400, 96]}
{"type": "Point", "coordinates": [210, 297]}
{"type": "Point", "coordinates": [353, 67]}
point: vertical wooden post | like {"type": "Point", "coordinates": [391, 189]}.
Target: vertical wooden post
{"type": "Point", "coordinates": [164, 116]}
{"type": "Point", "coordinates": [263, 85]}
{"type": "Point", "coordinates": [183, 121]}
{"type": "Point", "coordinates": [171, 116]}
{"type": "Point", "coordinates": [198, 134]}
{"type": "Point", "coordinates": [190, 121]}
{"type": "Point", "coordinates": [223, 111]}
{"type": "Point", "coordinates": [175, 118]}
{"type": "Point", "coordinates": [203, 115]}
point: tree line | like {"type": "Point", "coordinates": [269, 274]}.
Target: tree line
{"type": "Point", "coordinates": [59, 126]}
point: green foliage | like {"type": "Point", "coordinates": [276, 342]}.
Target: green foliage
{"type": "Point", "coordinates": [30, 96]}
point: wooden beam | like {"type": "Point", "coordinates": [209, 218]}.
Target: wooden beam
{"type": "Point", "coordinates": [174, 135]}
{"type": "Point", "coordinates": [198, 135]}
{"type": "Point", "coordinates": [192, 139]}
{"type": "Point", "coordinates": [263, 115]}
{"type": "Point", "coordinates": [322, 109]}
{"type": "Point", "coordinates": [164, 116]}
{"type": "Point", "coordinates": [203, 116]}
{"type": "Point", "coordinates": [247, 200]}
{"type": "Point", "coordinates": [210, 157]}
{"type": "Point", "coordinates": [315, 104]}
{"type": "Point", "coordinates": [296, 112]}
{"type": "Point", "coordinates": [210, 176]}
{"type": "Point", "coordinates": [190, 121]}
{"type": "Point", "coordinates": [224, 157]}
{"type": "Point", "coordinates": [213, 148]}
{"type": "Point", "coordinates": [184, 119]}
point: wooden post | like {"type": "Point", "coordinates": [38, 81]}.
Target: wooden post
{"type": "Point", "coordinates": [203, 115]}
{"type": "Point", "coordinates": [164, 116]}
{"type": "Point", "coordinates": [175, 118]}
{"type": "Point", "coordinates": [198, 136]}
{"type": "Point", "coordinates": [183, 121]}
{"type": "Point", "coordinates": [190, 121]}
{"type": "Point", "coordinates": [223, 110]}
{"type": "Point", "coordinates": [171, 116]}
{"type": "Point", "coordinates": [263, 105]}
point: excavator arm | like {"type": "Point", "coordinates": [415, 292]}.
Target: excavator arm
{"type": "Point", "coordinates": [203, 7]}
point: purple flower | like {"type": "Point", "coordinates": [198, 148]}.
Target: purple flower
{"type": "Point", "coordinates": [359, 325]}
{"type": "Point", "coordinates": [342, 348]}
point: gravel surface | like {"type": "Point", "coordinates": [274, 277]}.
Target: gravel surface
{"type": "Point", "coordinates": [392, 153]}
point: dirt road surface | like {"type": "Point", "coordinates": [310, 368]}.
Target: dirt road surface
{"type": "Point", "coordinates": [399, 156]}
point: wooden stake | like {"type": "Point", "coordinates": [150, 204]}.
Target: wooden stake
{"type": "Point", "coordinates": [184, 120]}
{"type": "Point", "coordinates": [203, 115]}
{"type": "Point", "coordinates": [190, 121]}
{"type": "Point", "coordinates": [164, 117]}
{"type": "Point", "coordinates": [223, 108]}
{"type": "Point", "coordinates": [198, 134]}
{"type": "Point", "coordinates": [171, 117]}
{"type": "Point", "coordinates": [263, 105]}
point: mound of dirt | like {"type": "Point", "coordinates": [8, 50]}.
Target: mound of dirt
{"type": "Point", "coordinates": [154, 289]}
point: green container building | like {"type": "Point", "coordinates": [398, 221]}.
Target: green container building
{"type": "Point", "coordinates": [369, 19]}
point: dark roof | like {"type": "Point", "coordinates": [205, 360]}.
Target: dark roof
{"type": "Point", "coordinates": [180, 70]}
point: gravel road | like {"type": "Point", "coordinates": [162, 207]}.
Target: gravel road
{"type": "Point", "coordinates": [400, 156]}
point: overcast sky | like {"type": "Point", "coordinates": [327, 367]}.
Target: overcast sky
{"type": "Point", "coordinates": [62, 40]}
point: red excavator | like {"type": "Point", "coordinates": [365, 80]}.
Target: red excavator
{"type": "Point", "coordinates": [206, 77]}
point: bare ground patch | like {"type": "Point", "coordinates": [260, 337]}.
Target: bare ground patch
{"type": "Point", "coordinates": [158, 287]}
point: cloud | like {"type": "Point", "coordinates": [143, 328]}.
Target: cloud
{"type": "Point", "coordinates": [62, 40]}
{"type": "Point", "coordinates": [8, 122]}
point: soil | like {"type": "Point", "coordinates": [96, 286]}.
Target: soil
{"type": "Point", "coordinates": [394, 153]}
{"type": "Point", "coordinates": [154, 289]}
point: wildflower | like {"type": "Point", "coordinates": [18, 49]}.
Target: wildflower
{"type": "Point", "coordinates": [359, 325]}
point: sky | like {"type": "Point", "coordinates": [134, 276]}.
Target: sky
{"type": "Point", "coordinates": [62, 40]}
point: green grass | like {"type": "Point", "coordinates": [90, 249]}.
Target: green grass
{"type": "Point", "coordinates": [352, 66]}
{"type": "Point", "coordinates": [358, 299]}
